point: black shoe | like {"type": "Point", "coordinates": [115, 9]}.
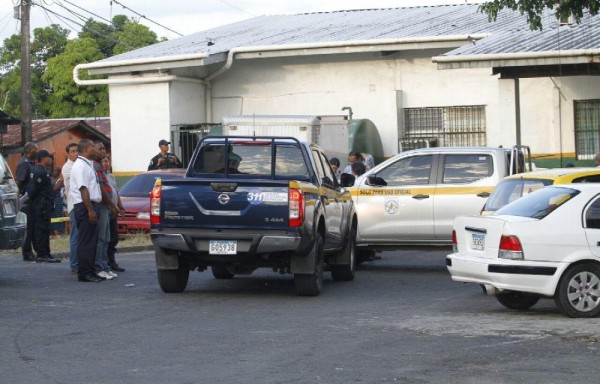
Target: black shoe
{"type": "Point", "coordinates": [29, 256]}
{"type": "Point", "coordinates": [89, 279]}
{"type": "Point", "coordinates": [115, 267]}
{"type": "Point", "coordinates": [47, 259]}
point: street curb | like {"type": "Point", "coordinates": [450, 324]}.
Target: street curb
{"type": "Point", "coordinates": [135, 248]}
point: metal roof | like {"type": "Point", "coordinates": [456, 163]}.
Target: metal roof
{"type": "Point", "coordinates": [42, 129]}
{"type": "Point", "coordinates": [337, 26]}
{"type": "Point", "coordinates": [555, 44]}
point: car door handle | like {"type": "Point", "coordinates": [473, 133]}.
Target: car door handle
{"type": "Point", "coordinates": [420, 197]}
{"type": "Point", "coordinates": [483, 194]}
{"type": "Point", "coordinates": [598, 243]}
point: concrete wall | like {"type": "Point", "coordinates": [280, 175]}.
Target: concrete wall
{"type": "Point", "coordinates": [140, 118]}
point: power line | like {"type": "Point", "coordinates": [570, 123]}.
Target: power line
{"type": "Point", "coordinates": [144, 17]}
{"type": "Point", "coordinates": [236, 7]}
{"type": "Point", "coordinates": [62, 17]}
{"type": "Point", "coordinates": [90, 12]}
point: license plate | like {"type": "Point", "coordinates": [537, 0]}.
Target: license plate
{"type": "Point", "coordinates": [477, 241]}
{"type": "Point", "coordinates": [222, 247]}
{"type": "Point", "coordinates": [9, 208]}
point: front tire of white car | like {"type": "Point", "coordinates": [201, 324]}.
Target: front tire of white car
{"type": "Point", "coordinates": [517, 300]}
{"type": "Point", "coordinates": [578, 292]}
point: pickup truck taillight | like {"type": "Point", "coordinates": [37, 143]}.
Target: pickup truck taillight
{"type": "Point", "coordinates": [296, 204]}
{"type": "Point", "coordinates": [155, 202]}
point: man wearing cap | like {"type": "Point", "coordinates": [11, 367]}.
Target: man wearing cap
{"type": "Point", "coordinates": [164, 159]}
{"type": "Point", "coordinates": [41, 197]}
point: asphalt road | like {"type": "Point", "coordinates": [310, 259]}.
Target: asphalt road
{"type": "Point", "coordinates": [401, 321]}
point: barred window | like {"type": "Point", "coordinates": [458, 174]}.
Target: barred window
{"type": "Point", "coordinates": [587, 129]}
{"type": "Point", "coordinates": [443, 127]}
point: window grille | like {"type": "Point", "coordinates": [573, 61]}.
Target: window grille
{"type": "Point", "coordinates": [444, 127]}
{"type": "Point", "coordinates": [587, 129]}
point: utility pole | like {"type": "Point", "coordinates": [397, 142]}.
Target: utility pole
{"type": "Point", "coordinates": [26, 135]}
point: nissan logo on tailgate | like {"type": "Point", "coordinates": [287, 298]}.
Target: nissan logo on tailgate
{"type": "Point", "coordinates": [224, 198]}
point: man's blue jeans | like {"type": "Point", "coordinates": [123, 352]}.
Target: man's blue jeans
{"type": "Point", "coordinates": [103, 239]}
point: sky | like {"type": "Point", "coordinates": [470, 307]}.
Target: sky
{"type": "Point", "coordinates": [172, 18]}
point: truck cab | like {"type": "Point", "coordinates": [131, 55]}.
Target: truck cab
{"type": "Point", "coordinates": [413, 198]}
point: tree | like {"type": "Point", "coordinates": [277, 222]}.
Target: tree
{"type": "Point", "coordinates": [47, 42]}
{"type": "Point", "coordinates": [67, 99]}
{"type": "Point", "coordinates": [133, 36]}
{"type": "Point", "coordinates": [535, 8]}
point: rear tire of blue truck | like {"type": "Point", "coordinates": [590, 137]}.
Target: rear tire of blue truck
{"type": "Point", "coordinates": [310, 284]}
{"type": "Point", "coordinates": [173, 280]}
{"type": "Point", "coordinates": [346, 272]}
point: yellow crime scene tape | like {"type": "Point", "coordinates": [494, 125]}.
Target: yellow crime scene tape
{"type": "Point", "coordinates": [59, 219]}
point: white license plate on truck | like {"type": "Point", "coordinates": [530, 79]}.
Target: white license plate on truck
{"type": "Point", "coordinates": [222, 247]}
{"type": "Point", "coordinates": [477, 241]}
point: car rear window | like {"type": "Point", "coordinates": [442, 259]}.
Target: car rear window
{"type": "Point", "coordinates": [510, 190]}
{"type": "Point", "coordinates": [252, 158]}
{"type": "Point", "coordinates": [139, 186]}
{"type": "Point", "coordinates": [540, 203]}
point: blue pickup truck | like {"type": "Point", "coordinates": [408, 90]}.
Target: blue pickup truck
{"type": "Point", "coordinates": [252, 202]}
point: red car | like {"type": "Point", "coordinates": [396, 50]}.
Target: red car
{"type": "Point", "coordinates": [135, 196]}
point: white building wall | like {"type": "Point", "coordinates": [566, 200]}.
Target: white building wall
{"type": "Point", "coordinates": [368, 84]}
{"type": "Point", "coordinates": [375, 86]}
{"type": "Point", "coordinates": [139, 120]}
{"type": "Point", "coordinates": [187, 103]}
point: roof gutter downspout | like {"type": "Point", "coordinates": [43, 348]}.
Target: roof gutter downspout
{"type": "Point", "coordinates": [335, 44]}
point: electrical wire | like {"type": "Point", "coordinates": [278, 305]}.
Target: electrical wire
{"type": "Point", "coordinates": [236, 7]}
{"type": "Point", "coordinates": [144, 17]}
{"type": "Point", "coordinates": [62, 17]}
{"type": "Point", "coordinates": [90, 12]}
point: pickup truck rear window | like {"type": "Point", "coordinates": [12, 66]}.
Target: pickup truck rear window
{"type": "Point", "coordinates": [252, 159]}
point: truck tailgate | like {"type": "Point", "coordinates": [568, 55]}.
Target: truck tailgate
{"type": "Point", "coordinates": [225, 203]}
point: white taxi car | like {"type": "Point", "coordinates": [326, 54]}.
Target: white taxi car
{"type": "Point", "coordinates": [546, 244]}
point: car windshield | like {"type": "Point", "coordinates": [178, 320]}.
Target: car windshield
{"type": "Point", "coordinates": [5, 174]}
{"type": "Point", "coordinates": [540, 203]}
{"type": "Point", "coordinates": [139, 186]}
{"type": "Point", "coordinates": [510, 190]}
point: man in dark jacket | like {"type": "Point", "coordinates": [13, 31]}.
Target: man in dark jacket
{"type": "Point", "coordinates": [24, 167]}
{"type": "Point", "coordinates": [41, 199]}
{"type": "Point", "coordinates": [164, 159]}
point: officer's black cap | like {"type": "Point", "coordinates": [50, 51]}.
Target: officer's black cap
{"type": "Point", "coordinates": [163, 142]}
{"type": "Point", "coordinates": [43, 153]}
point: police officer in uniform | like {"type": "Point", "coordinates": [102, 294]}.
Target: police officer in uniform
{"type": "Point", "coordinates": [41, 199]}
{"type": "Point", "coordinates": [24, 167]}
{"type": "Point", "coordinates": [164, 159]}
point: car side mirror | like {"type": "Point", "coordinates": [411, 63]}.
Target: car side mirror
{"type": "Point", "coordinates": [347, 180]}
{"type": "Point", "coordinates": [376, 181]}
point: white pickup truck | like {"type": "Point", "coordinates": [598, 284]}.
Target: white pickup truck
{"type": "Point", "coordinates": [413, 197]}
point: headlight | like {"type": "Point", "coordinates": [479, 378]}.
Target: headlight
{"type": "Point", "coordinates": [143, 215]}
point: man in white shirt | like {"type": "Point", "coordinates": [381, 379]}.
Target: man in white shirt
{"type": "Point", "coordinates": [66, 173]}
{"type": "Point", "coordinates": [84, 191]}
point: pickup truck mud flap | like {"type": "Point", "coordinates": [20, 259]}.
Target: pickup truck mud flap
{"type": "Point", "coordinates": [165, 260]}
{"type": "Point", "coordinates": [303, 263]}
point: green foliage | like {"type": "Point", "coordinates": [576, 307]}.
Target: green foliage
{"type": "Point", "coordinates": [53, 57]}
{"type": "Point", "coordinates": [535, 8]}
{"type": "Point", "coordinates": [66, 98]}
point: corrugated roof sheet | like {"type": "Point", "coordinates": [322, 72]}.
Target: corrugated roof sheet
{"type": "Point", "coordinates": [41, 129]}
{"type": "Point", "coordinates": [553, 37]}
{"type": "Point", "coordinates": [368, 24]}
